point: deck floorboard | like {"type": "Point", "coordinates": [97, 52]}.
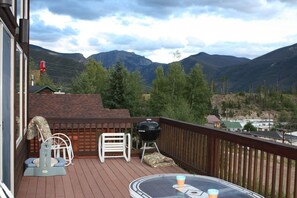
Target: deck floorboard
{"type": "Point", "coordinates": [88, 177]}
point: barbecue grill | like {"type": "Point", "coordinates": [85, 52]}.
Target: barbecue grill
{"type": "Point", "coordinates": [148, 132]}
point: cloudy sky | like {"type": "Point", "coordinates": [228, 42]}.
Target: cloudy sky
{"type": "Point", "coordinates": [157, 29]}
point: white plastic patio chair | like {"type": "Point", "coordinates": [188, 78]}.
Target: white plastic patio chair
{"type": "Point", "coordinates": [116, 143]}
{"type": "Point", "coordinates": [61, 147]}
{"type": "Point", "coordinates": [4, 191]}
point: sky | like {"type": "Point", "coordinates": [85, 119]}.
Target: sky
{"type": "Point", "coordinates": [158, 29]}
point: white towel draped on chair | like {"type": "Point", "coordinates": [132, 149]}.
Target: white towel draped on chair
{"type": "Point", "coordinates": [61, 144]}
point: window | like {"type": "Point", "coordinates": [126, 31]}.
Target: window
{"type": "Point", "coordinates": [1, 65]}
{"type": "Point", "coordinates": [6, 98]}
{"type": "Point", "coordinates": [18, 95]}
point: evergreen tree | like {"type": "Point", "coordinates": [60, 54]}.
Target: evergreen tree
{"type": "Point", "coordinates": [124, 90]}
{"type": "Point", "coordinates": [93, 80]}
{"type": "Point", "coordinates": [114, 97]}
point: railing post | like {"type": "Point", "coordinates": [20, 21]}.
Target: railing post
{"type": "Point", "coordinates": [211, 155]}
{"type": "Point", "coordinates": [75, 144]}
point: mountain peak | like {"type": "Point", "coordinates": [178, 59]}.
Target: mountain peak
{"type": "Point", "coordinates": [129, 59]}
{"type": "Point", "coordinates": [277, 68]}
{"type": "Point", "coordinates": [215, 61]}
{"type": "Point", "coordinates": [202, 54]}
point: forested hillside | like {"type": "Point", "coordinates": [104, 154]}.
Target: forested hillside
{"type": "Point", "coordinates": [274, 70]}
{"type": "Point", "coordinates": [60, 67]}
{"type": "Point", "coordinates": [63, 67]}
{"type": "Point", "coordinates": [278, 106]}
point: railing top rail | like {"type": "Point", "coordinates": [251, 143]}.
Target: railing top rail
{"type": "Point", "coordinates": [276, 148]}
{"type": "Point", "coordinates": [97, 120]}
{"type": "Point", "coordinates": [284, 150]}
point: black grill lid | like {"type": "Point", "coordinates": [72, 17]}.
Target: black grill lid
{"type": "Point", "coordinates": [148, 125]}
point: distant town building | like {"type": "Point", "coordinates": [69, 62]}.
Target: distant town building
{"type": "Point", "coordinates": [213, 121]}
{"type": "Point", "coordinates": [232, 126]}
{"type": "Point", "coordinates": [260, 124]}
{"type": "Point", "coordinates": [41, 90]}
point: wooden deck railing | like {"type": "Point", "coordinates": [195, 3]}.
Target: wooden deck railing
{"type": "Point", "coordinates": [262, 166]}
{"type": "Point", "coordinates": [265, 167]}
{"type": "Point", "coordinates": [84, 133]}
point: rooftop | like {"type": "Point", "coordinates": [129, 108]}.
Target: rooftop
{"type": "Point", "coordinates": [39, 89]}
{"type": "Point", "coordinates": [212, 119]}
{"type": "Point", "coordinates": [72, 106]}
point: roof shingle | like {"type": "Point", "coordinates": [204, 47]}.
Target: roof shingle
{"type": "Point", "coordinates": [72, 106]}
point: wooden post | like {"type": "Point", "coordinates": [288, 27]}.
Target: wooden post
{"type": "Point", "coordinates": [211, 153]}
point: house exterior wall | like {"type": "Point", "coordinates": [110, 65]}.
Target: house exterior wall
{"type": "Point", "coordinates": [14, 53]}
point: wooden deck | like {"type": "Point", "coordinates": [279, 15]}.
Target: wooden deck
{"type": "Point", "coordinates": [91, 178]}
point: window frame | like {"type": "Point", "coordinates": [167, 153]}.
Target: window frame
{"type": "Point", "coordinates": [1, 67]}
{"type": "Point", "coordinates": [4, 28]}
{"type": "Point", "coordinates": [25, 93]}
{"type": "Point", "coordinates": [19, 93]}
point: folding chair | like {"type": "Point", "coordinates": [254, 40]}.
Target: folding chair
{"type": "Point", "coordinates": [114, 143]}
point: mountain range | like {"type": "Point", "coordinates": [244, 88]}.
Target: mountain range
{"type": "Point", "coordinates": [276, 69]}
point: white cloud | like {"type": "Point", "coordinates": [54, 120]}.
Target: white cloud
{"type": "Point", "coordinates": [210, 26]}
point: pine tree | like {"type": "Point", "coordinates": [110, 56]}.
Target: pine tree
{"type": "Point", "coordinates": [114, 96]}
{"type": "Point", "coordinates": [124, 90]}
